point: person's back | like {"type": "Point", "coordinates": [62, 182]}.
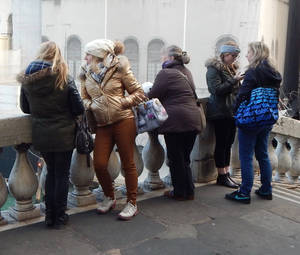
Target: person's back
{"type": "Point", "coordinates": [52, 99]}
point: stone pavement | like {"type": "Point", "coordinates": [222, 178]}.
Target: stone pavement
{"type": "Point", "coordinates": [208, 225]}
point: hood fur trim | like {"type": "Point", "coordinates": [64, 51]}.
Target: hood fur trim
{"type": "Point", "coordinates": [217, 63]}
{"type": "Point", "coordinates": [31, 78]}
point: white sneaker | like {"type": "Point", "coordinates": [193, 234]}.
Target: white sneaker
{"type": "Point", "coordinates": [106, 205]}
{"type": "Point", "coordinates": [128, 212]}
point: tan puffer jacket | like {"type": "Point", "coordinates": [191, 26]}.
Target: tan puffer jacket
{"type": "Point", "coordinates": [108, 101]}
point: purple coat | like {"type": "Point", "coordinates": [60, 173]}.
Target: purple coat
{"type": "Point", "coordinates": [176, 95]}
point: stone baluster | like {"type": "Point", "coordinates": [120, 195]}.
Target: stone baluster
{"type": "Point", "coordinates": [41, 187]}
{"type": "Point", "coordinates": [294, 171]}
{"type": "Point", "coordinates": [114, 169]}
{"type": "Point", "coordinates": [139, 163]}
{"type": "Point", "coordinates": [167, 179]}
{"type": "Point", "coordinates": [272, 152]}
{"type": "Point", "coordinates": [23, 184]}
{"type": "Point", "coordinates": [202, 156]}
{"type": "Point", "coordinates": [3, 197]}
{"type": "Point", "coordinates": [153, 155]}
{"type": "Point", "coordinates": [81, 176]}
{"type": "Point", "coordinates": [284, 159]}
{"type": "Point", "coordinates": [235, 165]}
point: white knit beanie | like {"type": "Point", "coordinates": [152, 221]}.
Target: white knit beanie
{"type": "Point", "coordinates": [99, 47]}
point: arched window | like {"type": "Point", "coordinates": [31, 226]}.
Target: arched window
{"type": "Point", "coordinates": [132, 52]}
{"type": "Point", "coordinates": [223, 39]}
{"type": "Point", "coordinates": [154, 56]}
{"type": "Point", "coordinates": [74, 55]}
{"type": "Point", "coordinates": [10, 30]}
{"type": "Point", "coordinates": [44, 38]}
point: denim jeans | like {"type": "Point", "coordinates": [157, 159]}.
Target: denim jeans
{"type": "Point", "coordinates": [57, 181]}
{"type": "Point", "coordinates": [250, 142]}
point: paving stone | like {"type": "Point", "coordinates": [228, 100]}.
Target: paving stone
{"type": "Point", "coordinates": [106, 232]}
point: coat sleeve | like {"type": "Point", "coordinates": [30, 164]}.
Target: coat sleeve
{"type": "Point", "coordinates": [24, 104]}
{"type": "Point", "coordinates": [215, 84]}
{"type": "Point", "coordinates": [158, 89]}
{"type": "Point", "coordinates": [249, 83]}
{"type": "Point", "coordinates": [75, 101]}
{"type": "Point", "coordinates": [86, 98]}
{"type": "Point", "coordinates": [136, 94]}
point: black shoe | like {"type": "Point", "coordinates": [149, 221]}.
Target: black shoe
{"type": "Point", "coordinates": [49, 220]}
{"type": "Point", "coordinates": [228, 175]}
{"type": "Point", "coordinates": [61, 221]}
{"type": "Point", "coordinates": [263, 195]}
{"type": "Point", "coordinates": [224, 180]}
{"type": "Point", "coordinates": [238, 197]}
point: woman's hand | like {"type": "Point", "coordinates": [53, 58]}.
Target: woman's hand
{"type": "Point", "coordinates": [239, 76]}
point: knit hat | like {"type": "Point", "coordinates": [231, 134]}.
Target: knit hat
{"type": "Point", "coordinates": [100, 47]}
{"type": "Point", "coordinates": [229, 49]}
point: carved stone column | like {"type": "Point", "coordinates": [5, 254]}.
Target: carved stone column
{"type": "Point", "coordinates": [153, 155]}
{"type": "Point", "coordinates": [202, 156]}
{"type": "Point", "coordinates": [23, 184]}
{"type": "Point", "coordinates": [81, 176]}
{"type": "Point", "coordinates": [284, 159]}
{"type": "Point", "coordinates": [139, 164]}
{"type": "Point", "coordinates": [272, 153]}
{"type": "Point", "coordinates": [235, 165]}
{"type": "Point", "coordinates": [3, 197]}
{"type": "Point", "coordinates": [294, 171]}
{"type": "Point", "coordinates": [114, 168]}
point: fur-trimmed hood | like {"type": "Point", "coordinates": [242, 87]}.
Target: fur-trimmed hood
{"type": "Point", "coordinates": [217, 63]}
{"type": "Point", "coordinates": [39, 83]}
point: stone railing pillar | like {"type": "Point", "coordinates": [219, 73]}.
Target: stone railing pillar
{"type": "Point", "coordinates": [153, 155]}
{"type": "Point", "coordinates": [284, 160]}
{"type": "Point", "coordinates": [114, 169]}
{"type": "Point", "coordinates": [235, 165]}
{"type": "Point", "coordinates": [272, 153]}
{"type": "Point", "coordinates": [23, 184]}
{"type": "Point", "coordinates": [202, 156]}
{"type": "Point", "coordinates": [81, 176]}
{"type": "Point", "coordinates": [3, 197]}
{"type": "Point", "coordinates": [294, 171]}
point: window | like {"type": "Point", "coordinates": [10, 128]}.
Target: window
{"type": "Point", "coordinates": [132, 52]}
{"type": "Point", "coordinates": [74, 55]}
{"type": "Point", "coordinates": [154, 56]}
{"type": "Point", "coordinates": [10, 30]}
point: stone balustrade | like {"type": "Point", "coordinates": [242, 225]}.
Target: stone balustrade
{"type": "Point", "coordinates": [15, 130]}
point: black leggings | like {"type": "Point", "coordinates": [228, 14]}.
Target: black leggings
{"type": "Point", "coordinates": [225, 134]}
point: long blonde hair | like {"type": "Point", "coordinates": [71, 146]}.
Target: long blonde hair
{"type": "Point", "coordinates": [49, 51]}
{"type": "Point", "coordinates": [261, 52]}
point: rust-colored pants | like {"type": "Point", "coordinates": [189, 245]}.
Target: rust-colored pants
{"type": "Point", "coordinates": [123, 135]}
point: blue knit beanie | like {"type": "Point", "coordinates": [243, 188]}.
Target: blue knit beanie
{"type": "Point", "coordinates": [229, 49]}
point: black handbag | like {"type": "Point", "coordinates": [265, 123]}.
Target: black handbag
{"type": "Point", "coordinates": [84, 141]}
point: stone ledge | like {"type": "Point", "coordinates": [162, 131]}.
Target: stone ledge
{"type": "Point", "coordinates": [287, 126]}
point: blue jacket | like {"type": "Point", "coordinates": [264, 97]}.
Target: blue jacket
{"type": "Point", "coordinates": [262, 76]}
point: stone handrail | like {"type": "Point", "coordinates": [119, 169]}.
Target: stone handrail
{"type": "Point", "coordinates": [15, 130]}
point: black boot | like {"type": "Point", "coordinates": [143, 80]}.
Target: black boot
{"type": "Point", "coordinates": [228, 174]}
{"type": "Point", "coordinates": [224, 180]}
{"type": "Point", "coordinates": [62, 219]}
{"type": "Point", "coordinates": [49, 218]}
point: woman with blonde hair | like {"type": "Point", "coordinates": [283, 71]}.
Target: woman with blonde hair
{"type": "Point", "coordinates": [109, 90]}
{"type": "Point", "coordinates": [223, 82]}
{"type": "Point", "coordinates": [50, 95]}
{"type": "Point", "coordinates": [260, 73]}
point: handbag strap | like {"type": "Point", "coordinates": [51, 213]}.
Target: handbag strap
{"type": "Point", "coordinates": [188, 81]}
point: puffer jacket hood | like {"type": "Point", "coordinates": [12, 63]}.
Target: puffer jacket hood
{"type": "Point", "coordinates": [39, 83]}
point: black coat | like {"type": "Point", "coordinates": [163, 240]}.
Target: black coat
{"type": "Point", "coordinates": [53, 111]}
{"type": "Point", "coordinates": [176, 95]}
{"type": "Point", "coordinates": [262, 76]}
{"type": "Point", "coordinates": [223, 90]}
